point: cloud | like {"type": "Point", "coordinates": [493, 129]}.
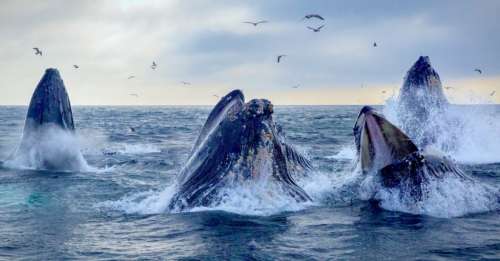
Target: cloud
{"type": "Point", "coordinates": [206, 43]}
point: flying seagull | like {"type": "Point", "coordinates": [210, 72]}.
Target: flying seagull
{"type": "Point", "coordinates": [374, 44]}
{"type": "Point", "coordinates": [448, 87]}
{"type": "Point", "coordinates": [309, 16]}
{"type": "Point", "coordinates": [186, 83]}
{"type": "Point", "coordinates": [132, 129]}
{"type": "Point", "coordinates": [316, 29]}
{"type": "Point", "coordinates": [76, 66]}
{"type": "Point", "coordinates": [296, 86]}
{"type": "Point", "coordinates": [256, 23]}
{"type": "Point", "coordinates": [279, 57]}
{"type": "Point", "coordinates": [153, 66]}
{"type": "Point", "coordinates": [216, 96]}
{"type": "Point", "coordinates": [37, 51]}
{"type": "Point", "coordinates": [131, 77]}
{"type": "Point", "coordinates": [478, 70]}
{"type": "Point", "coordinates": [135, 95]}
{"type": "Point", "coordinates": [493, 93]}
{"type": "Point", "coordinates": [383, 91]}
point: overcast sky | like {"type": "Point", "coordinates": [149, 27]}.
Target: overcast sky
{"type": "Point", "coordinates": [207, 44]}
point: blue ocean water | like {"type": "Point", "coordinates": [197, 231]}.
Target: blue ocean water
{"type": "Point", "coordinates": [116, 208]}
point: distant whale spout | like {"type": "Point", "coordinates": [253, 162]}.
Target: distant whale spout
{"type": "Point", "coordinates": [421, 102]}
{"type": "Point", "coordinates": [239, 144]}
{"type": "Point", "coordinates": [48, 140]}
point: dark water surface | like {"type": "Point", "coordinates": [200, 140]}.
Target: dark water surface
{"type": "Point", "coordinates": [116, 209]}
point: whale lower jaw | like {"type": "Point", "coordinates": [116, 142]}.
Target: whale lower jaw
{"type": "Point", "coordinates": [258, 172]}
{"type": "Point", "coordinates": [414, 173]}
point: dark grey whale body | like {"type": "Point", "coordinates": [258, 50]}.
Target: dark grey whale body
{"type": "Point", "coordinates": [422, 102]}
{"type": "Point", "coordinates": [387, 152]}
{"type": "Point", "coordinates": [49, 104]}
{"type": "Point", "coordinates": [47, 141]}
{"type": "Point", "coordinates": [239, 143]}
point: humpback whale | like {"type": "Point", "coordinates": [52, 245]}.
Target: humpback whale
{"type": "Point", "coordinates": [48, 130]}
{"type": "Point", "coordinates": [421, 103]}
{"type": "Point", "coordinates": [388, 153]}
{"type": "Point", "coordinates": [239, 144]}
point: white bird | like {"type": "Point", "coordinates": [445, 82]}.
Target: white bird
{"type": "Point", "coordinates": [279, 57]}
{"type": "Point", "coordinates": [37, 51]}
{"type": "Point", "coordinates": [131, 77]}
{"type": "Point", "coordinates": [185, 83]}
{"type": "Point", "coordinates": [296, 86]}
{"type": "Point", "coordinates": [493, 93]}
{"type": "Point", "coordinates": [256, 23]}
{"type": "Point", "coordinates": [309, 16]}
{"type": "Point", "coordinates": [216, 96]}
{"type": "Point", "coordinates": [315, 29]}
{"type": "Point", "coordinates": [448, 87]}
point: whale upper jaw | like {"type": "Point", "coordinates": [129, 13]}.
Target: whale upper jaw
{"type": "Point", "coordinates": [239, 144]}
{"type": "Point", "coordinates": [421, 103]}
{"type": "Point", "coordinates": [50, 104]}
{"type": "Point", "coordinates": [422, 85]}
{"type": "Point", "coordinates": [48, 141]}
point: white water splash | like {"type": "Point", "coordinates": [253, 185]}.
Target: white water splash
{"type": "Point", "coordinates": [446, 197]}
{"type": "Point", "coordinates": [346, 153]}
{"type": "Point", "coordinates": [145, 203]}
{"type": "Point", "coordinates": [138, 148]}
{"type": "Point", "coordinates": [52, 147]}
{"type": "Point", "coordinates": [469, 134]}
{"type": "Point", "coordinates": [260, 199]}
{"type": "Point", "coordinates": [256, 199]}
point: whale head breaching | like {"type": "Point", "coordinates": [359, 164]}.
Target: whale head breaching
{"type": "Point", "coordinates": [389, 154]}
{"type": "Point", "coordinates": [49, 104]}
{"type": "Point", "coordinates": [421, 101]}
{"type": "Point", "coordinates": [240, 143]}
{"type": "Point", "coordinates": [49, 128]}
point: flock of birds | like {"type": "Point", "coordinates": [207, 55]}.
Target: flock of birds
{"type": "Point", "coordinates": [279, 57]}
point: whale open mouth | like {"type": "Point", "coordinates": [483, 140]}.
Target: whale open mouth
{"type": "Point", "coordinates": [379, 143]}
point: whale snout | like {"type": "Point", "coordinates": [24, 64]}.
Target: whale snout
{"type": "Point", "coordinates": [258, 107]}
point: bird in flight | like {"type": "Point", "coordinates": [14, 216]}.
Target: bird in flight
{"type": "Point", "coordinates": [216, 96]}
{"type": "Point", "coordinates": [374, 44]}
{"type": "Point", "coordinates": [279, 57]}
{"type": "Point", "coordinates": [309, 16]}
{"type": "Point", "coordinates": [37, 51]}
{"type": "Point", "coordinates": [448, 87]}
{"type": "Point", "coordinates": [153, 66]}
{"type": "Point", "coordinates": [493, 93]}
{"type": "Point", "coordinates": [296, 86]}
{"type": "Point", "coordinates": [315, 29]}
{"type": "Point", "coordinates": [383, 91]}
{"type": "Point", "coordinates": [131, 77]}
{"type": "Point", "coordinates": [186, 83]}
{"type": "Point", "coordinates": [76, 66]}
{"type": "Point", "coordinates": [256, 23]}
{"type": "Point", "coordinates": [478, 70]}
{"type": "Point", "coordinates": [135, 95]}
{"type": "Point", "coordinates": [132, 129]}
